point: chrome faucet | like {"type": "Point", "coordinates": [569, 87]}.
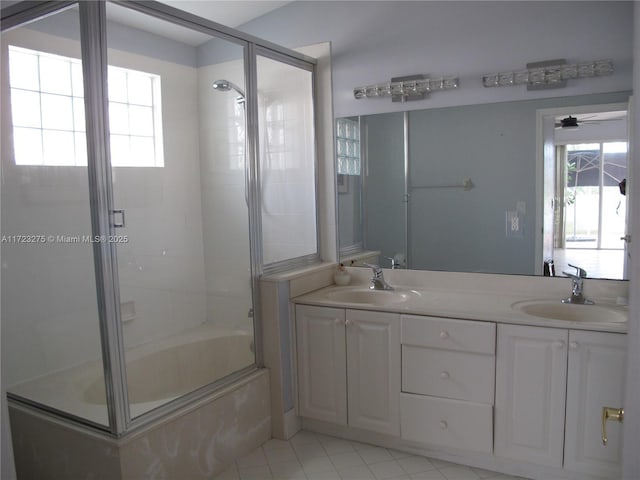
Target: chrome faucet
{"type": "Point", "coordinates": [394, 263]}
{"type": "Point", "coordinates": [577, 280]}
{"type": "Point", "coordinates": [377, 281]}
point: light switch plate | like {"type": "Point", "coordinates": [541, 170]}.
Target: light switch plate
{"type": "Point", "coordinates": [514, 224]}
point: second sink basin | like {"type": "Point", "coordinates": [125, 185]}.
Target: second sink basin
{"type": "Point", "coordinates": [556, 310]}
{"type": "Point", "coordinates": [367, 296]}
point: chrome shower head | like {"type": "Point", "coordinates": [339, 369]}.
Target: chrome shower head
{"type": "Point", "coordinates": [221, 85]}
{"type": "Point", "coordinates": [225, 86]}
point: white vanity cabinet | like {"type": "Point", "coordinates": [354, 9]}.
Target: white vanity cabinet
{"type": "Point", "coordinates": [448, 374]}
{"type": "Point", "coordinates": [541, 373]}
{"type": "Point", "coordinates": [349, 367]}
{"type": "Point", "coordinates": [531, 372]}
{"type": "Point", "coordinates": [595, 379]}
{"type": "Point", "coordinates": [322, 374]}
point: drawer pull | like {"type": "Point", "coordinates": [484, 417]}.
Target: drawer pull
{"type": "Point", "coordinates": [444, 375]}
{"type": "Point", "coordinates": [443, 425]}
{"type": "Point", "coordinates": [338, 321]}
{"type": "Point", "coordinates": [573, 345]}
{"type": "Point", "coordinates": [444, 335]}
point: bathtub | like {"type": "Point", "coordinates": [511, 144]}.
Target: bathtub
{"type": "Point", "coordinates": [197, 441]}
{"type": "Point", "coordinates": [157, 372]}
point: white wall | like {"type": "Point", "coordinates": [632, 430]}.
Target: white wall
{"type": "Point", "coordinates": [373, 41]}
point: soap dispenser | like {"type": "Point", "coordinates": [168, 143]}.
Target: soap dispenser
{"type": "Point", "coordinates": [341, 277]}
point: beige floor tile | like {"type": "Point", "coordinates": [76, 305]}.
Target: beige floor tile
{"type": "Point", "coordinates": [398, 454]}
{"type": "Point", "coordinates": [337, 446]}
{"type": "Point", "coordinates": [310, 450]}
{"type": "Point", "coordinates": [387, 470]}
{"type": "Point", "coordinates": [357, 473]}
{"type": "Point", "coordinates": [372, 455]}
{"type": "Point", "coordinates": [346, 460]}
{"type": "Point", "coordinates": [459, 473]}
{"type": "Point", "coordinates": [260, 472]}
{"type": "Point", "coordinates": [415, 464]}
{"type": "Point", "coordinates": [281, 456]}
{"type": "Point", "coordinates": [311, 456]}
{"type": "Point", "coordinates": [484, 473]}
{"type": "Point", "coordinates": [430, 475]}
{"type": "Point", "coordinates": [275, 444]}
{"type": "Point", "coordinates": [253, 459]}
{"type": "Point", "coordinates": [289, 471]}
{"type": "Point", "coordinates": [319, 464]}
{"type": "Point", "coordinates": [331, 475]}
{"type": "Point", "coordinates": [439, 464]}
{"type": "Point", "coordinates": [303, 438]}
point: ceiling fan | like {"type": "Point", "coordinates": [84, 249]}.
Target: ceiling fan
{"type": "Point", "coordinates": [574, 122]}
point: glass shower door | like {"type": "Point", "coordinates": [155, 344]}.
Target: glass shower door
{"type": "Point", "coordinates": [51, 351]}
{"type": "Point", "coordinates": [177, 124]}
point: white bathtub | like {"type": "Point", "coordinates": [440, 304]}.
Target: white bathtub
{"type": "Point", "coordinates": [157, 372]}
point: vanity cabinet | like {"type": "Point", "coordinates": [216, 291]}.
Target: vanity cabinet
{"type": "Point", "coordinates": [322, 375]}
{"type": "Point", "coordinates": [541, 373]}
{"type": "Point", "coordinates": [595, 379]}
{"type": "Point", "coordinates": [349, 367]}
{"type": "Point", "coordinates": [531, 372]}
{"type": "Point", "coordinates": [448, 373]}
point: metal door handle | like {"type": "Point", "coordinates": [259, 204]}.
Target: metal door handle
{"type": "Point", "coordinates": [610, 413]}
{"type": "Point", "coordinates": [121, 223]}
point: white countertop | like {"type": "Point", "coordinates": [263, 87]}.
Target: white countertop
{"type": "Point", "coordinates": [479, 300]}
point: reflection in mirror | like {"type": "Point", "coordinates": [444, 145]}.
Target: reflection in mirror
{"type": "Point", "coordinates": [588, 206]}
{"type": "Point", "coordinates": [460, 188]}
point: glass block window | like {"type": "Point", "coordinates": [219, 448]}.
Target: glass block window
{"type": "Point", "coordinates": [348, 146]}
{"type": "Point", "coordinates": [47, 108]}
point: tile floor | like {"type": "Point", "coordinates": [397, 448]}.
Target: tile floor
{"type": "Point", "coordinates": [311, 456]}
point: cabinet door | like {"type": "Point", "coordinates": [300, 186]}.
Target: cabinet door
{"type": "Point", "coordinates": [322, 376]}
{"type": "Point", "coordinates": [373, 370]}
{"type": "Point", "coordinates": [594, 380]}
{"type": "Point", "coordinates": [531, 369]}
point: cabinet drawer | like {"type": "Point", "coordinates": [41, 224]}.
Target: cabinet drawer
{"type": "Point", "coordinates": [449, 423]}
{"type": "Point", "coordinates": [450, 374]}
{"type": "Point", "coordinates": [446, 333]}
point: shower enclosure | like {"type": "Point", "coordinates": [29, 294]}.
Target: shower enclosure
{"type": "Point", "coordinates": [141, 199]}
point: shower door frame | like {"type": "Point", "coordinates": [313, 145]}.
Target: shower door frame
{"type": "Point", "coordinates": [93, 40]}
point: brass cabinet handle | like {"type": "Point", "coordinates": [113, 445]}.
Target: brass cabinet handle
{"type": "Point", "coordinates": [610, 413]}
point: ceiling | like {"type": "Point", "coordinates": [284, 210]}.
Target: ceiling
{"type": "Point", "coordinates": [230, 13]}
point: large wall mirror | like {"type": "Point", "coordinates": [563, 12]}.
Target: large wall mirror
{"type": "Point", "coordinates": [519, 187]}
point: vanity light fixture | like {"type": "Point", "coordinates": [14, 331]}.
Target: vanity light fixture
{"type": "Point", "coordinates": [548, 74]}
{"type": "Point", "coordinates": [403, 89]}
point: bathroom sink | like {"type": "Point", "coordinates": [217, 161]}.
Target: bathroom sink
{"type": "Point", "coordinates": [365, 296]}
{"type": "Point", "coordinates": [556, 310]}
